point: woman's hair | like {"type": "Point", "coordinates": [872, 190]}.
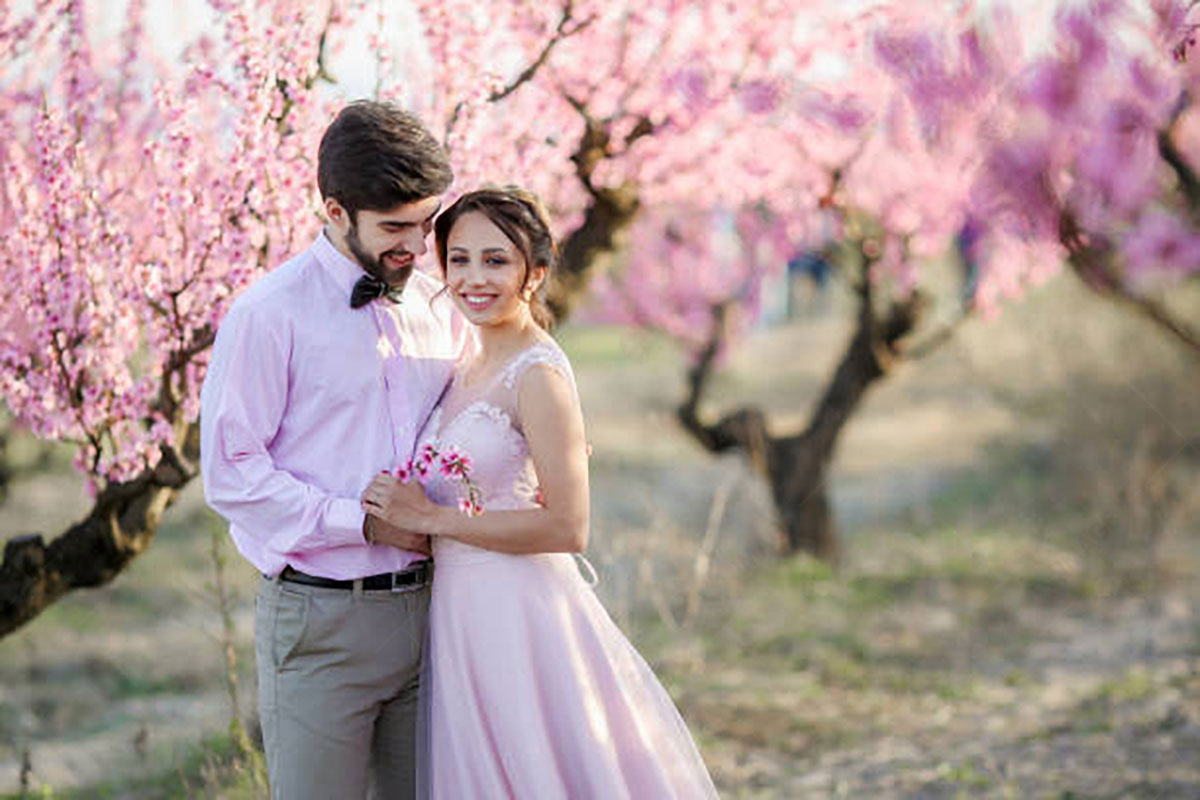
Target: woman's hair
{"type": "Point", "coordinates": [521, 217]}
{"type": "Point", "coordinates": [376, 156]}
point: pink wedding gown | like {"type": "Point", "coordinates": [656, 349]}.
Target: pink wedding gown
{"type": "Point", "coordinates": [530, 690]}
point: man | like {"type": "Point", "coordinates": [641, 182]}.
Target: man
{"type": "Point", "coordinates": [322, 375]}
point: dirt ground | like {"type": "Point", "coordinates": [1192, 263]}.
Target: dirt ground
{"type": "Point", "coordinates": [967, 646]}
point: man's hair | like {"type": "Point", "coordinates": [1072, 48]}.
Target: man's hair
{"type": "Point", "coordinates": [376, 156]}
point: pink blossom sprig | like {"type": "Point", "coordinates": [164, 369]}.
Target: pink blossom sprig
{"type": "Point", "coordinates": [453, 465]}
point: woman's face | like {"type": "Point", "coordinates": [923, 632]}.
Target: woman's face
{"type": "Point", "coordinates": [486, 272]}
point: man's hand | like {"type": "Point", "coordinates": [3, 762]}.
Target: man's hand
{"type": "Point", "coordinates": [385, 533]}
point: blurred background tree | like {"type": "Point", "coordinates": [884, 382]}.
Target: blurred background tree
{"type": "Point", "coordinates": [944, 141]}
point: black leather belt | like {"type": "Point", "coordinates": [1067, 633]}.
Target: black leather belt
{"type": "Point", "coordinates": [414, 577]}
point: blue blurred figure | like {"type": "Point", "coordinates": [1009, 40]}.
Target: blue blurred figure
{"type": "Point", "coordinates": [966, 245]}
{"type": "Point", "coordinates": [815, 266]}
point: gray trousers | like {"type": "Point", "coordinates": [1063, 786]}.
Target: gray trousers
{"type": "Point", "coordinates": [338, 674]}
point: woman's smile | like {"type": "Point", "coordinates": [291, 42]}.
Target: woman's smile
{"type": "Point", "coordinates": [479, 301]}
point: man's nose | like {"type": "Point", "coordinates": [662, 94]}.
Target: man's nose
{"type": "Point", "coordinates": [418, 244]}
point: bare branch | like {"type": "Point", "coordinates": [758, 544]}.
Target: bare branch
{"type": "Point", "coordinates": [201, 340]}
{"type": "Point", "coordinates": [564, 30]}
{"type": "Point", "coordinates": [323, 72]}
{"type": "Point", "coordinates": [1167, 149]}
{"type": "Point", "coordinates": [1092, 262]}
{"type": "Point", "coordinates": [935, 340]}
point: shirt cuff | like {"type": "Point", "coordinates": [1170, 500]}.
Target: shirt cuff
{"type": "Point", "coordinates": [344, 523]}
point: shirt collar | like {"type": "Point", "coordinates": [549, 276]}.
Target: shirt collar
{"type": "Point", "coordinates": [343, 271]}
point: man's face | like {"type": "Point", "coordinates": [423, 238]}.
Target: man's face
{"type": "Point", "coordinates": [385, 243]}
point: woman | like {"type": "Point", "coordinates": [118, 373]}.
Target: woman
{"type": "Point", "coordinates": [532, 690]}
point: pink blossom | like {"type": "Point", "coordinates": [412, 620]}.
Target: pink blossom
{"type": "Point", "coordinates": [759, 96]}
{"type": "Point", "coordinates": [692, 84]}
{"type": "Point", "coordinates": [142, 193]}
{"type": "Point", "coordinates": [1015, 190]}
{"type": "Point", "coordinates": [847, 114]}
{"type": "Point", "coordinates": [1118, 165]}
{"type": "Point", "coordinates": [1057, 88]}
{"type": "Point", "coordinates": [1081, 36]}
{"type": "Point", "coordinates": [1154, 88]}
{"type": "Point", "coordinates": [454, 464]}
{"type": "Point", "coordinates": [1162, 245]}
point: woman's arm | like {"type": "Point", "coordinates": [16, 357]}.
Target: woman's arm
{"type": "Point", "coordinates": [553, 425]}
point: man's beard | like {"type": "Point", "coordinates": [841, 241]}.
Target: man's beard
{"type": "Point", "coordinates": [373, 265]}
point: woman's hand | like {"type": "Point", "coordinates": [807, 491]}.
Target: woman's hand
{"type": "Point", "coordinates": [401, 505]}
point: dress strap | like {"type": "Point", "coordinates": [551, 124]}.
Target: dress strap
{"type": "Point", "coordinates": [540, 353]}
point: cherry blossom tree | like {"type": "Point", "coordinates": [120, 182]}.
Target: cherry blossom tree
{"type": "Point", "coordinates": [138, 197]}
{"type": "Point", "coordinates": [147, 181]}
{"type": "Point", "coordinates": [951, 136]}
{"type": "Point", "coordinates": [1097, 156]}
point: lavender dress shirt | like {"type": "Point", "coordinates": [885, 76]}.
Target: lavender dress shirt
{"type": "Point", "coordinates": [306, 400]}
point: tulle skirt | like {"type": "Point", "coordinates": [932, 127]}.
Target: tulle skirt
{"type": "Point", "coordinates": [530, 691]}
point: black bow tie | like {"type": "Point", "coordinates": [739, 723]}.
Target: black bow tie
{"type": "Point", "coordinates": [369, 288]}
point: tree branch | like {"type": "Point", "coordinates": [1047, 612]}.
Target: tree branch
{"type": "Point", "coordinates": [1092, 262]}
{"type": "Point", "coordinates": [745, 428]}
{"type": "Point", "coordinates": [121, 524]}
{"type": "Point", "coordinates": [562, 31]}
{"type": "Point", "coordinates": [1188, 183]}
{"type": "Point", "coordinates": [606, 218]}
{"type": "Point", "coordinates": [935, 340]}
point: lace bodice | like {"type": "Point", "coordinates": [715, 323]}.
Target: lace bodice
{"type": "Point", "coordinates": [484, 425]}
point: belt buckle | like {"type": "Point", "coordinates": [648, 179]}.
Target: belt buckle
{"type": "Point", "coordinates": [415, 574]}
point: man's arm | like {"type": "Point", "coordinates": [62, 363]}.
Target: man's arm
{"type": "Point", "coordinates": [242, 404]}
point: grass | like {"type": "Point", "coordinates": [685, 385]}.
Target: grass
{"type": "Point", "coordinates": [916, 666]}
{"type": "Point", "coordinates": [211, 768]}
{"type": "Point", "coordinates": [605, 346]}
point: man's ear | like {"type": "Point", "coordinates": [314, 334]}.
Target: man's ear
{"type": "Point", "coordinates": [338, 216]}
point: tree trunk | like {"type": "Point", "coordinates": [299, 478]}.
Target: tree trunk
{"type": "Point", "coordinates": [588, 249]}
{"type": "Point", "coordinates": [5, 467]}
{"type": "Point", "coordinates": [797, 466]}
{"type": "Point", "coordinates": [807, 523]}
{"type": "Point", "coordinates": [121, 524]}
